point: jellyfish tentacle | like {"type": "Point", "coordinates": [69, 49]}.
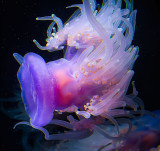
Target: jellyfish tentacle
{"type": "Point", "coordinates": [49, 30]}
{"type": "Point", "coordinates": [102, 132]}
{"type": "Point", "coordinates": [58, 22]}
{"type": "Point", "coordinates": [99, 29]}
{"type": "Point", "coordinates": [44, 18]}
{"type": "Point", "coordinates": [62, 123]}
{"type": "Point", "coordinates": [22, 123]}
{"type": "Point", "coordinates": [41, 47]}
{"type": "Point", "coordinates": [124, 120]}
{"type": "Point", "coordinates": [18, 58]}
{"type": "Point", "coordinates": [107, 116]}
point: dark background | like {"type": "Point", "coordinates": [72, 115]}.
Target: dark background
{"type": "Point", "coordinates": [19, 28]}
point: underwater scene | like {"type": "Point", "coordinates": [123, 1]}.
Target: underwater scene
{"type": "Point", "coordinates": [80, 75]}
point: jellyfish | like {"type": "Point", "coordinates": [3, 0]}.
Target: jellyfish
{"type": "Point", "coordinates": [93, 77]}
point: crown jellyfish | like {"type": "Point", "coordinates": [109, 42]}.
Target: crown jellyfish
{"type": "Point", "coordinates": [93, 77]}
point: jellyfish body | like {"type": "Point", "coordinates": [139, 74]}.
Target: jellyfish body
{"type": "Point", "coordinates": [93, 78]}
{"type": "Point", "coordinates": [37, 89]}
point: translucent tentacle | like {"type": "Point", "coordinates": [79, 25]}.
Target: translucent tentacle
{"type": "Point", "coordinates": [84, 114]}
{"type": "Point", "coordinates": [99, 29]}
{"type": "Point", "coordinates": [129, 4]}
{"type": "Point", "coordinates": [84, 55]}
{"type": "Point", "coordinates": [58, 21]}
{"type": "Point", "coordinates": [142, 112]}
{"type": "Point", "coordinates": [41, 47]}
{"type": "Point", "coordinates": [71, 119]}
{"type": "Point", "coordinates": [66, 135]}
{"type": "Point", "coordinates": [120, 136]}
{"type": "Point", "coordinates": [44, 18]}
{"type": "Point", "coordinates": [133, 19]}
{"type": "Point", "coordinates": [124, 120]}
{"type": "Point", "coordinates": [139, 102]}
{"type": "Point", "coordinates": [22, 123]}
{"type": "Point", "coordinates": [18, 58]}
{"type": "Point", "coordinates": [74, 15]}
{"type": "Point", "coordinates": [120, 113]}
{"type": "Point", "coordinates": [93, 4]}
{"type": "Point", "coordinates": [131, 103]}
{"type": "Point", "coordinates": [62, 123]}
{"type": "Point", "coordinates": [119, 3]}
{"type": "Point", "coordinates": [135, 92]}
{"type": "Point", "coordinates": [101, 131]}
{"type": "Point", "coordinates": [80, 6]}
{"type": "Point", "coordinates": [49, 30]}
{"type": "Point", "coordinates": [112, 120]}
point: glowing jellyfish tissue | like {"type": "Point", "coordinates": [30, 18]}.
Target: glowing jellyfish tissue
{"type": "Point", "coordinates": [93, 77]}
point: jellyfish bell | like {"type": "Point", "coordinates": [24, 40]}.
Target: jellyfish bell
{"type": "Point", "coordinates": [45, 87]}
{"type": "Point", "coordinates": [37, 89]}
